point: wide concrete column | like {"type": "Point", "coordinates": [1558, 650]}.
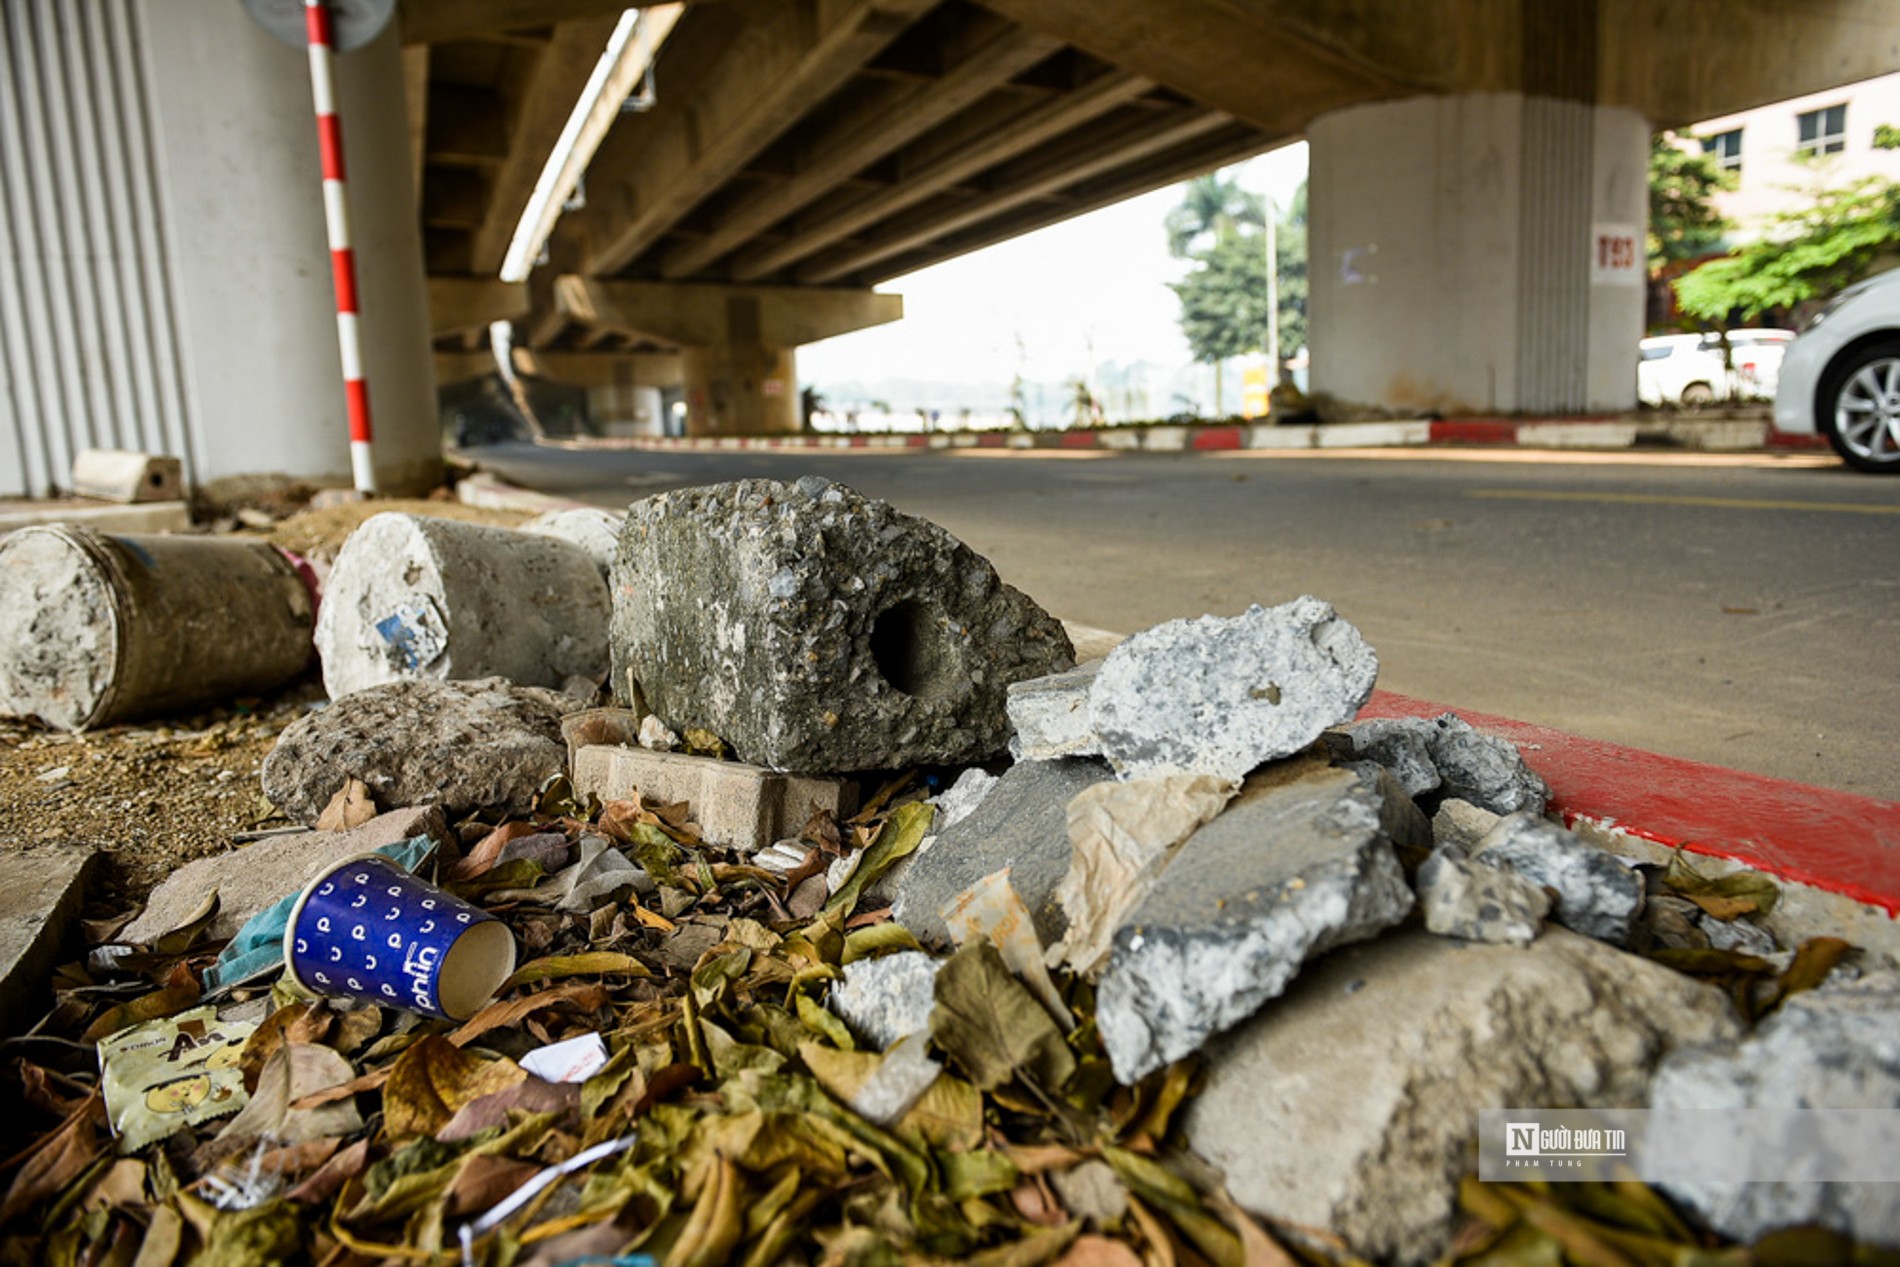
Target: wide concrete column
{"type": "Point", "coordinates": [232, 138]}
{"type": "Point", "coordinates": [1477, 253]}
{"type": "Point", "coordinates": [736, 342]}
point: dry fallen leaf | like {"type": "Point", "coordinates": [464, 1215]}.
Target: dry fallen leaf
{"type": "Point", "coordinates": [351, 807]}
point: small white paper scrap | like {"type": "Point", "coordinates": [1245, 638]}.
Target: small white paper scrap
{"type": "Point", "coordinates": [575, 1060]}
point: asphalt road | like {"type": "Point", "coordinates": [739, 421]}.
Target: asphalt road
{"type": "Point", "coordinates": [1738, 610]}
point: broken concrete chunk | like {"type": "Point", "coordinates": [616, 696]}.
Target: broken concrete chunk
{"type": "Point", "coordinates": [1220, 696]}
{"type": "Point", "coordinates": [1598, 894]}
{"type": "Point", "coordinates": [1460, 825]}
{"type": "Point", "coordinates": [39, 915]}
{"type": "Point", "coordinates": [817, 630]}
{"type": "Point", "coordinates": [1484, 769]}
{"type": "Point", "coordinates": [958, 801]}
{"type": "Point", "coordinates": [414, 597]}
{"type": "Point", "coordinates": [1837, 1047]}
{"type": "Point", "coordinates": [260, 874]}
{"type": "Point", "coordinates": [884, 999]}
{"type": "Point", "coordinates": [1400, 744]}
{"type": "Point", "coordinates": [1050, 715]}
{"type": "Point", "coordinates": [122, 475]}
{"type": "Point", "coordinates": [461, 745]}
{"type": "Point", "coordinates": [1352, 1104]}
{"type": "Point", "coordinates": [1741, 935]}
{"type": "Point", "coordinates": [596, 532]}
{"type": "Point", "coordinates": [654, 735]}
{"type": "Point", "coordinates": [1023, 825]}
{"type": "Point", "coordinates": [743, 806]}
{"type": "Point", "coordinates": [1465, 899]}
{"type": "Point", "coordinates": [1120, 838]}
{"type": "Point", "coordinates": [1447, 756]}
{"type": "Point", "coordinates": [1297, 865]}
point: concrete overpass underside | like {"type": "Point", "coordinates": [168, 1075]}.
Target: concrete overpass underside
{"type": "Point", "coordinates": [828, 146]}
{"type": "Point", "coordinates": [1467, 156]}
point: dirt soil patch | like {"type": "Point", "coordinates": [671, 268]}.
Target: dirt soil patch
{"type": "Point", "coordinates": [159, 793]}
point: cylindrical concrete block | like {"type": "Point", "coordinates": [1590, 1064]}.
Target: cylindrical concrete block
{"type": "Point", "coordinates": [97, 629]}
{"type": "Point", "coordinates": [593, 530]}
{"type": "Point", "coordinates": [417, 597]}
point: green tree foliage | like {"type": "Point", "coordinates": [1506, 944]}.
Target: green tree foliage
{"type": "Point", "coordinates": [1886, 137]}
{"type": "Point", "coordinates": [1683, 222]}
{"type": "Point", "coordinates": [1212, 207]}
{"type": "Point", "coordinates": [1290, 251]}
{"type": "Point", "coordinates": [1806, 254]}
{"type": "Point", "coordinates": [1222, 227]}
{"type": "Point", "coordinates": [1224, 300]}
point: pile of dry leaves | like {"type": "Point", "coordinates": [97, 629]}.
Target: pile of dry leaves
{"type": "Point", "coordinates": [718, 1128]}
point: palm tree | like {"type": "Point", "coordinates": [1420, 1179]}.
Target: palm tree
{"type": "Point", "coordinates": [1211, 205]}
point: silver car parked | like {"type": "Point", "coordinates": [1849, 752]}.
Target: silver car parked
{"type": "Point", "coordinates": [1841, 377]}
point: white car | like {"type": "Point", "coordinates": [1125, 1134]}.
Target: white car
{"type": "Point", "coordinates": [1841, 378]}
{"type": "Point", "coordinates": [1687, 369]}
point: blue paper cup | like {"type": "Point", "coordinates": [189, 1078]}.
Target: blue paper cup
{"type": "Point", "coordinates": [368, 929]}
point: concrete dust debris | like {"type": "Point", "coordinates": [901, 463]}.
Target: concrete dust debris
{"type": "Point", "coordinates": [262, 873]}
{"type": "Point", "coordinates": [744, 806]}
{"type": "Point", "coordinates": [596, 532]}
{"type": "Point", "coordinates": [1837, 1047]}
{"type": "Point", "coordinates": [1447, 756]}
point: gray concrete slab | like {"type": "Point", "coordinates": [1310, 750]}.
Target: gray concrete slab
{"type": "Point", "coordinates": [41, 888]}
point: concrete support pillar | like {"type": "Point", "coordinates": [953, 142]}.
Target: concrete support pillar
{"type": "Point", "coordinates": [740, 388]}
{"type": "Point", "coordinates": [232, 138]}
{"type": "Point", "coordinates": [1480, 253]}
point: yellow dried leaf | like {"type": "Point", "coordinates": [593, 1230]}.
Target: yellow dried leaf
{"type": "Point", "coordinates": [433, 1079]}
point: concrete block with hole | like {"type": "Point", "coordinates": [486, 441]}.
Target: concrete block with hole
{"type": "Point", "coordinates": [742, 806]}
{"type": "Point", "coordinates": [817, 630]}
{"type": "Point", "coordinates": [119, 475]}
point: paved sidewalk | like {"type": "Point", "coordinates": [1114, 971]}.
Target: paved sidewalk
{"type": "Point", "coordinates": [1727, 433]}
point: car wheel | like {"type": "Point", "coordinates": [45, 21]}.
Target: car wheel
{"type": "Point", "coordinates": [1696, 395]}
{"type": "Point", "coordinates": [1860, 408]}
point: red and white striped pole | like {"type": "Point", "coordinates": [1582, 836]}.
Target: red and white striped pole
{"type": "Point", "coordinates": [336, 217]}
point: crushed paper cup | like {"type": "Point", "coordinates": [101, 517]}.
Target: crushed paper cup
{"type": "Point", "coordinates": [368, 929]}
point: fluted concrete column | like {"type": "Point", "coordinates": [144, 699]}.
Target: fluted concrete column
{"type": "Point", "coordinates": [232, 137]}
{"type": "Point", "coordinates": [1477, 253]}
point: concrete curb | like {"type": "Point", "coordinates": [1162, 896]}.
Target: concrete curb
{"type": "Point", "coordinates": [1710, 435]}
{"type": "Point", "coordinates": [143, 517]}
{"type": "Point", "coordinates": [1838, 841]}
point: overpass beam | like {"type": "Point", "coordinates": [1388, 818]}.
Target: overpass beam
{"type": "Point", "coordinates": [1480, 253]}
{"type": "Point", "coordinates": [736, 342]}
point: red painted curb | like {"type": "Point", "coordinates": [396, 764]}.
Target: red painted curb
{"type": "Point", "coordinates": [1837, 841]}
{"type": "Point", "coordinates": [1217, 438]}
{"type": "Point", "coordinates": [1076, 440]}
{"type": "Point", "coordinates": [1472, 431]}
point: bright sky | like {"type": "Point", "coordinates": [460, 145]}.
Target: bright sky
{"type": "Point", "coordinates": [1049, 305]}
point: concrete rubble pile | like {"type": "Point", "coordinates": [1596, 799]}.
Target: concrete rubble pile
{"type": "Point", "coordinates": [1367, 930]}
